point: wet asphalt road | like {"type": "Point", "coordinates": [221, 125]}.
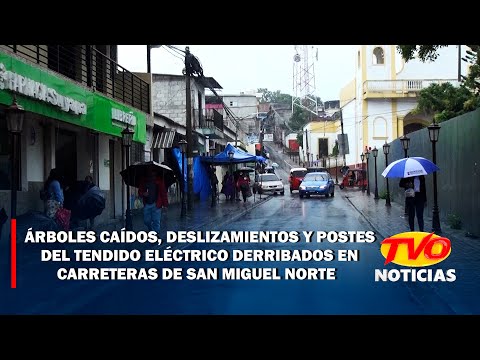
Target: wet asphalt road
{"type": "Point", "coordinates": [353, 292]}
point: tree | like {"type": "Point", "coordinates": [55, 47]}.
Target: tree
{"type": "Point", "coordinates": [446, 101]}
{"type": "Point", "coordinates": [274, 97]}
{"type": "Point", "coordinates": [300, 139]}
{"type": "Point", "coordinates": [299, 118]}
{"type": "Point", "coordinates": [335, 150]}
{"type": "Point", "coordinates": [425, 52]}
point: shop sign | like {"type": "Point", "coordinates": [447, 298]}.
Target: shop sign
{"type": "Point", "coordinates": [124, 118]}
{"type": "Point", "coordinates": [34, 89]}
{"type": "Point", "coordinates": [42, 92]}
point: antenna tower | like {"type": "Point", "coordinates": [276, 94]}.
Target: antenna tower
{"type": "Point", "coordinates": [304, 92]}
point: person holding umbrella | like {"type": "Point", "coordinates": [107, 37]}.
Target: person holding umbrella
{"type": "Point", "coordinates": [154, 194]}
{"type": "Point", "coordinates": [411, 171]}
{"type": "Point", "coordinates": [416, 198]}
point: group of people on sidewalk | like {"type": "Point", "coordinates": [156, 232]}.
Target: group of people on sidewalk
{"type": "Point", "coordinates": [235, 184]}
{"type": "Point", "coordinates": [53, 196]}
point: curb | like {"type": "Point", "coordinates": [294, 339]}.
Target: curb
{"type": "Point", "coordinates": [236, 216]}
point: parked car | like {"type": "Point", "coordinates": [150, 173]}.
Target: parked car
{"type": "Point", "coordinates": [317, 169]}
{"type": "Point", "coordinates": [265, 183]}
{"type": "Point", "coordinates": [269, 169]}
{"type": "Point", "coordinates": [317, 183]}
{"type": "Point", "coordinates": [296, 177]}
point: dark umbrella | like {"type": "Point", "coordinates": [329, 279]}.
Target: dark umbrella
{"type": "Point", "coordinates": [136, 172]}
{"type": "Point", "coordinates": [246, 169]}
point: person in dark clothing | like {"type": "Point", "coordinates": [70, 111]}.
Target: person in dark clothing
{"type": "Point", "coordinates": [154, 193]}
{"type": "Point", "coordinates": [416, 198]}
{"type": "Point", "coordinates": [87, 185]}
{"type": "Point", "coordinates": [243, 185]}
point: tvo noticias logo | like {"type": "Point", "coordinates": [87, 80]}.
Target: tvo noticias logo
{"type": "Point", "coordinates": [416, 252]}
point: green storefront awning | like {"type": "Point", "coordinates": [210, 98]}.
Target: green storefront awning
{"type": "Point", "coordinates": [40, 91]}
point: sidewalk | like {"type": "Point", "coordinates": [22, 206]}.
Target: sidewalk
{"type": "Point", "coordinates": [460, 297]}
{"type": "Point", "coordinates": [202, 217]}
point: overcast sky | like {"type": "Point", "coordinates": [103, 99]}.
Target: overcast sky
{"type": "Point", "coordinates": [249, 67]}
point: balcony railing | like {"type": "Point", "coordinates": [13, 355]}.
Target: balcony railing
{"type": "Point", "coordinates": [88, 66]}
{"type": "Point", "coordinates": [214, 119]}
{"type": "Point", "coordinates": [400, 87]}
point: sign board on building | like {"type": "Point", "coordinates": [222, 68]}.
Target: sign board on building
{"type": "Point", "coordinates": [42, 92]}
{"type": "Point", "coordinates": [343, 148]}
{"type": "Point", "coordinates": [20, 84]}
{"type": "Point", "coordinates": [268, 137]}
{"type": "Point", "coordinates": [123, 118]}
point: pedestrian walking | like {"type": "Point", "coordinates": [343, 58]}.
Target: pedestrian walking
{"type": "Point", "coordinates": [154, 194]}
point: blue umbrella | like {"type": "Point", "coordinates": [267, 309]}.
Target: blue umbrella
{"type": "Point", "coordinates": [408, 167]}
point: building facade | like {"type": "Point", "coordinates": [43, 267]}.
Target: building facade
{"type": "Point", "coordinates": [77, 101]}
{"type": "Point", "coordinates": [169, 103]}
{"type": "Point", "coordinates": [377, 104]}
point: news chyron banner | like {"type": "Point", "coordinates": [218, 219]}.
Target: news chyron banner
{"type": "Point", "coordinates": [233, 272]}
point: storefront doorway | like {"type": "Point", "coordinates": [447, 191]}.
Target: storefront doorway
{"type": "Point", "coordinates": [66, 156]}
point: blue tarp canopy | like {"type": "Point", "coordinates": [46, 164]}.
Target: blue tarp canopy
{"type": "Point", "coordinates": [239, 156]}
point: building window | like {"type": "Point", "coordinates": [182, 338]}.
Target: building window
{"type": "Point", "coordinates": [380, 128]}
{"type": "Point", "coordinates": [378, 56]}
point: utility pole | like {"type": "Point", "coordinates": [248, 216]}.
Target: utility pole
{"type": "Point", "coordinates": [343, 138]}
{"type": "Point", "coordinates": [149, 67]}
{"type": "Point", "coordinates": [188, 76]}
{"type": "Point", "coordinates": [459, 63]}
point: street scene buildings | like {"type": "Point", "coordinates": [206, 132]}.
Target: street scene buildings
{"type": "Point", "coordinates": [76, 109]}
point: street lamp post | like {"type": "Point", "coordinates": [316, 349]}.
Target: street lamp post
{"type": "Point", "coordinates": [367, 156]}
{"type": "Point", "coordinates": [336, 169]}
{"type": "Point", "coordinates": [15, 115]}
{"type": "Point", "coordinates": [230, 157]}
{"type": "Point", "coordinates": [405, 140]}
{"type": "Point", "coordinates": [375, 154]}
{"type": "Point", "coordinates": [433, 133]}
{"type": "Point", "coordinates": [127, 139]}
{"type": "Point", "coordinates": [183, 147]}
{"type": "Point", "coordinates": [386, 150]}
{"type": "Point", "coordinates": [362, 157]}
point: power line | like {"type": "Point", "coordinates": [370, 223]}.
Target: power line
{"type": "Point", "coordinates": [171, 53]}
{"type": "Point", "coordinates": [180, 51]}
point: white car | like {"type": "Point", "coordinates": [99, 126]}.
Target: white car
{"type": "Point", "coordinates": [268, 183]}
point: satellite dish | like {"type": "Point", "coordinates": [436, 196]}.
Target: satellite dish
{"type": "Point", "coordinates": [296, 58]}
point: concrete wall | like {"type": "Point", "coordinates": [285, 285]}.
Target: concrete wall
{"type": "Point", "coordinates": [458, 180]}
{"type": "Point", "coordinates": [169, 98]}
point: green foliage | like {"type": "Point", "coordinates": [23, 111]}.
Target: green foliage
{"type": "Point", "coordinates": [424, 52]}
{"type": "Point", "coordinates": [274, 97]}
{"type": "Point", "coordinates": [300, 139]}
{"type": "Point", "coordinates": [446, 102]}
{"type": "Point", "coordinates": [383, 195]}
{"type": "Point", "coordinates": [335, 150]}
{"type": "Point", "coordinates": [454, 221]}
{"type": "Point", "coordinates": [299, 118]}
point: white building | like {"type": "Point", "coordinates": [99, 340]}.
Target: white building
{"type": "Point", "coordinates": [377, 104]}
{"type": "Point", "coordinates": [245, 107]}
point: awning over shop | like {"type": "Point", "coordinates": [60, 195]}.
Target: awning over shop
{"type": "Point", "coordinates": [239, 156]}
{"type": "Point", "coordinates": [163, 139]}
